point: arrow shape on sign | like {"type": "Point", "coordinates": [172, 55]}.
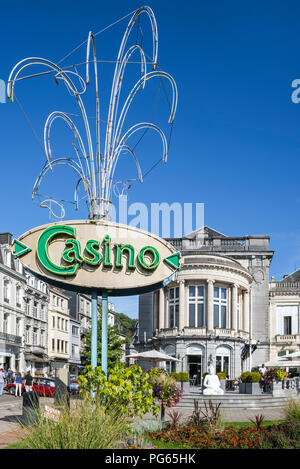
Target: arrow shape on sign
{"type": "Point", "coordinates": [173, 260]}
{"type": "Point", "coordinates": [20, 249]}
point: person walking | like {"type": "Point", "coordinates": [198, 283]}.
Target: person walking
{"type": "Point", "coordinates": [5, 375]}
{"type": "Point", "coordinates": [10, 376]}
{"type": "Point", "coordinates": [18, 384]}
{"type": "Point", "coordinates": [28, 381]}
{"type": "Point", "coordinates": [2, 381]}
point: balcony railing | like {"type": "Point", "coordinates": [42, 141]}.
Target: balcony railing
{"type": "Point", "coordinates": [287, 338]}
{"type": "Point", "coordinates": [285, 286]}
{"type": "Point", "coordinates": [10, 338]}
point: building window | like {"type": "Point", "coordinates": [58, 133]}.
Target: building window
{"type": "Point", "coordinates": [27, 334]}
{"type": "Point", "coordinates": [220, 307]}
{"type": "Point", "coordinates": [35, 334]}
{"type": "Point", "coordinates": [58, 345]}
{"type": "Point", "coordinates": [53, 345]}
{"type": "Point", "coordinates": [34, 309]}
{"type": "Point", "coordinates": [287, 319]}
{"type": "Point", "coordinates": [171, 351]}
{"type": "Point", "coordinates": [18, 295]}
{"type": "Point", "coordinates": [5, 323]}
{"type": "Point", "coordinates": [287, 325]}
{"type": "Point", "coordinates": [6, 290]}
{"type": "Point", "coordinates": [18, 327]}
{"type": "Point", "coordinates": [173, 297]}
{"type": "Point", "coordinates": [196, 306]}
{"type": "Point", "coordinates": [53, 322]}
{"type": "Point", "coordinates": [58, 323]}
{"type": "Point", "coordinates": [75, 331]}
{"type": "Point", "coordinates": [42, 338]}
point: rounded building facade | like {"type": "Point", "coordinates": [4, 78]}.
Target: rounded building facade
{"type": "Point", "coordinates": [203, 315]}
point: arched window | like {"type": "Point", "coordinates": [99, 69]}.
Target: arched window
{"type": "Point", "coordinates": [223, 360]}
{"type": "Point", "coordinates": [170, 350]}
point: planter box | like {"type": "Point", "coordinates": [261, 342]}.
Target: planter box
{"type": "Point", "coordinates": [253, 388]}
{"type": "Point", "coordinates": [278, 388]}
{"type": "Point", "coordinates": [185, 386]}
{"type": "Point", "coordinates": [242, 388]}
{"type": "Point", "coordinates": [250, 388]}
{"type": "Point", "coordinates": [223, 384]}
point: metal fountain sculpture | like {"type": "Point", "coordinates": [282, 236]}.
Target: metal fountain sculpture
{"type": "Point", "coordinates": [95, 168]}
{"type": "Point", "coordinates": [96, 173]}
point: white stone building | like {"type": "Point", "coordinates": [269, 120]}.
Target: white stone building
{"type": "Point", "coordinates": [36, 325]}
{"type": "Point", "coordinates": [284, 315]}
{"type": "Point", "coordinates": [12, 307]}
{"type": "Point", "coordinates": [58, 329]}
{"type": "Point", "coordinates": [216, 309]}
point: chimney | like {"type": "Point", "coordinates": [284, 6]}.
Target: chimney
{"type": "Point", "coordinates": [5, 238]}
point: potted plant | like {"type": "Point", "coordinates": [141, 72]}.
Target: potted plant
{"type": "Point", "coordinates": [182, 378]}
{"type": "Point", "coordinates": [242, 383]}
{"type": "Point", "coordinates": [276, 377]}
{"type": "Point", "coordinates": [250, 383]}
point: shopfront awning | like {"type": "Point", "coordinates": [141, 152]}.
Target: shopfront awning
{"type": "Point", "coordinates": [35, 358]}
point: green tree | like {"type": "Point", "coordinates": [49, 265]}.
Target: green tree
{"type": "Point", "coordinates": [114, 349]}
{"type": "Point", "coordinates": [126, 324]}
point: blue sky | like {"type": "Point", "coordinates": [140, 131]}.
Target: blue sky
{"type": "Point", "coordinates": [235, 143]}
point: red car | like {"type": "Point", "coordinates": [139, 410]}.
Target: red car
{"type": "Point", "coordinates": [43, 386]}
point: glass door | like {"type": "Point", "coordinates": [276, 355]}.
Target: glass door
{"type": "Point", "coordinates": [195, 369]}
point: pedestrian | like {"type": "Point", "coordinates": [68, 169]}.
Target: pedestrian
{"type": "Point", "coordinates": [28, 381]}
{"type": "Point", "coordinates": [9, 376]}
{"type": "Point", "coordinates": [46, 374]}
{"type": "Point", "coordinates": [5, 375]}
{"type": "Point", "coordinates": [18, 384]}
{"type": "Point", "coordinates": [262, 370]}
{"type": "Point", "coordinates": [2, 381]}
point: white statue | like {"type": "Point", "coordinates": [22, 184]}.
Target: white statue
{"type": "Point", "coordinates": [212, 383]}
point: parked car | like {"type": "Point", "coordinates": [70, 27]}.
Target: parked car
{"type": "Point", "coordinates": [73, 387]}
{"type": "Point", "coordinates": [43, 386]}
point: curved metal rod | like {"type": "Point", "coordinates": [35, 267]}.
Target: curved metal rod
{"type": "Point", "coordinates": [43, 205]}
{"type": "Point", "coordinates": [132, 94]}
{"type": "Point", "coordinates": [98, 155]}
{"type": "Point", "coordinates": [135, 128]}
{"type": "Point", "coordinates": [111, 111]}
{"type": "Point", "coordinates": [81, 81]}
{"type": "Point", "coordinates": [69, 83]}
{"type": "Point", "coordinates": [60, 161]}
{"type": "Point", "coordinates": [47, 145]}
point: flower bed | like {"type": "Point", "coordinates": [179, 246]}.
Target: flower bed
{"type": "Point", "coordinates": [230, 438]}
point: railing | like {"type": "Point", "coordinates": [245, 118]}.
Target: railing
{"type": "Point", "coordinates": [10, 338]}
{"type": "Point", "coordinates": [194, 331]}
{"type": "Point", "coordinates": [283, 286]}
{"type": "Point", "coordinates": [288, 338]}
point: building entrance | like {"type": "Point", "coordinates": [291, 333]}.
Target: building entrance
{"type": "Point", "coordinates": [195, 369]}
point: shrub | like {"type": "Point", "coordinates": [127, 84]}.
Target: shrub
{"type": "Point", "coordinates": [83, 427]}
{"type": "Point", "coordinates": [280, 375]}
{"type": "Point", "coordinates": [254, 377]}
{"type": "Point", "coordinates": [244, 376]}
{"type": "Point", "coordinates": [292, 411]}
{"type": "Point", "coordinates": [128, 386]}
{"type": "Point", "coordinates": [180, 377]}
{"type": "Point", "coordinates": [250, 377]}
{"type": "Point", "coordinates": [221, 375]}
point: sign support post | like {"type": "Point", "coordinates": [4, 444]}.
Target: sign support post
{"type": "Point", "coordinates": [94, 334]}
{"type": "Point", "coordinates": [104, 342]}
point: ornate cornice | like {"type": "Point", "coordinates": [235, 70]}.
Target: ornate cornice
{"type": "Point", "coordinates": [219, 267]}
